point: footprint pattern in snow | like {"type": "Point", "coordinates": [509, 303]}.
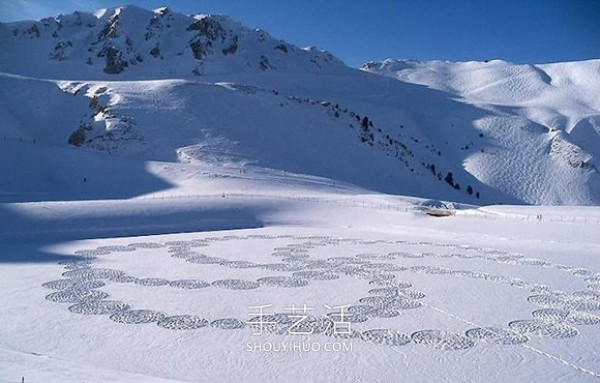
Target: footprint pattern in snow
{"type": "Point", "coordinates": [556, 315]}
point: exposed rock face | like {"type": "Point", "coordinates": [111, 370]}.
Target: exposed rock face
{"type": "Point", "coordinates": [128, 38]}
{"type": "Point", "coordinates": [208, 27]}
{"type": "Point", "coordinates": [114, 61]}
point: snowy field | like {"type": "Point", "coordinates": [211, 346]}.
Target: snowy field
{"type": "Point", "coordinates": [186, 199]}
{"type": "Point", "coordinates": [489, 294]}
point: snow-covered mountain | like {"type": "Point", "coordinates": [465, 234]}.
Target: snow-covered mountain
{"type": "Point", "coordinates": [143, 44]}
{"type": "Point", "coordinates": [542, 123]}
{"type": "Point", "coordinates": [116, 97]}
{"type": "Point", "coordinates": [162, 177]}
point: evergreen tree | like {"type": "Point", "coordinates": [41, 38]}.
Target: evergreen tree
{"type": "Point", "coordinates": [449, 179]}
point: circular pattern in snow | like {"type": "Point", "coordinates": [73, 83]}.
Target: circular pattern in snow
{"type": "Point", "coordinates": [594, 287]}
{"type": "Point", "coordinates": [405, 304]}
{"type": "Point", "coordinates": [63, 284]}
{"type": "Point", "coordinates": [559, 310]}
{"type": "Point", "coordinates": [593, 295]}
{"type": "Point", "coordinates": [189, 284]}
{"type": "Point", "coordinates": [376, 257]}
{"type": "Point", "coordinates": [123, 279]}
{"type": "Point", "coordinates": [581, 272]}
{"type": "Point", "coordinates": [389, 267]}
{"type": "Point", "coordinates": [497, 335]}
{"type": "Point", "coordinates": [137, 316]}
{"type": "Point", "coordinates": [582, 318]}
{"type": "Point", "coordinates": [99, 307]}
{"type": "Point", "coordinates": [409, 255]}
{"type": "Point", "coordinates": [238, 264]}
{"type": "Point", "coordinates": [402, 285]}
{"type": "Point", "coordinates": [93, 273]}
{"type": "Point", "coordinates": [384, 312]}
{"type": "Point", "coordinates": [235, 284]}
{"type": "Point", "coordinates": [438, 270]}
{"type": "Point", "coordinates": [361, 309]}
{"type": "Point", "coordinates": [115, 248]}
{"type": "Point", "coordinates": [548, 301]}
{"type": "Point", "coordinates": [281, 281]}
{"type": "Point", "coordinates": [76, 296]}
{"type": "Point", "coordinates": [186, 255]}
{"type": "Point", "coordinates": [386, 337]}
{"type": "Point", "coordinates": [183, 322]}
{"type": "Point", "coordinates": [152, 282]}
{"type": "Point", "coordinates": [384, 276]}
{"type": "Point", "coordinates": [280, 267]}
{"type": "Point", "coordinates": [316, 275]}
{"type": "Point", "coordinates": [377, 301]}
{"type": "Point", "coordinates": [386, 291]}
{"type": "Point", "coordinates": [74, 265]}
{"type": "Point", "coordinates": [204, 260]}
{"type": "Point", "coordinates": [537, 327]}
{"type": "Point", "coordinates": [177, 243]}
{"type": "Point", "coordinates": [92, 253]}
{"type": "Point", "coordinates": [442, 340]}
{"type": "Point", "coordinates": [342, 332]}
{"type": "Point", "coordinates": [228, 323]}
{"type": "Point", "coordinates": [299, 258]}
{"type": "Point", "coordinates": [381, 282]}
{"type": "Point", "coordinates": [146, 245]}
{"type": "Point", "coordinates": [531, 262]}
{"type": "Point", "coordinates": [358, 272]}
{"type": "Point", "coordinates": [550, 315]}
{"type": "Point", "coordinates": [414, 294]}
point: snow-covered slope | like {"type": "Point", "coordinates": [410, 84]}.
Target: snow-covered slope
{"type": "Point", "coordinates": [145, 214]}
{"type": "Point", "coordinates": [543, 120]}
{"type": "Point", "coordinates": [206, 91]}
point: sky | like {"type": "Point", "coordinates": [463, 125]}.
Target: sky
{"type": "Point", "coordinates": [357, 31]}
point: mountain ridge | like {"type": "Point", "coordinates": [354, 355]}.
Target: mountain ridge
{"type": "Point", "coordinates": [480, 133]}
{"type": "Point", "coordinates": [124, 39]}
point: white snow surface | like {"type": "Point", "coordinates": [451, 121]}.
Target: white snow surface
{"type": "Point", "coordinates": [162, 86]}
{"type": "Point", "coordinates": [543, 120]}
{"type": "Point", "coordinates": [200, 188]}
{"type": "Point", "coordinates": [492, 295]}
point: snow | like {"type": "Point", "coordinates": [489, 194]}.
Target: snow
{"type": "Point", "coordinates": [268, 174]}
{"type": "Point", "coordinates": [532, 107]}
{"type": "Point", "coordinates": [531, 269]}
{"type": "Point", "coordinates": [493, 125]}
